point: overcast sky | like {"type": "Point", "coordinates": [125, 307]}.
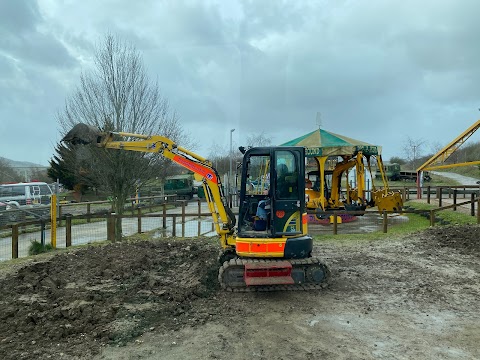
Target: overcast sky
{"type": "Point", "coordinates": [376, 70]}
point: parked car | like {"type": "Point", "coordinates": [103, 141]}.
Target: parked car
{"type": "Point", "coordinates": [22, 199]}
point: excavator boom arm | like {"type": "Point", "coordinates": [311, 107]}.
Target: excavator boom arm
{"type": "Point", "coordinates": [223, 217]}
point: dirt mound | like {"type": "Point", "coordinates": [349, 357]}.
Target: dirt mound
{"type": "Point", "coordinates": [465, 239]}
{"type": "Point", "coordinates": [78, 301]}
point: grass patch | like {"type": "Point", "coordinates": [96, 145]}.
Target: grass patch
{"type": "Point", "coordinates": [449, 216]}
{"type": "Point", "coordinates": [37, 248]}
{"type": "Point", "coordinates": [82, 221]}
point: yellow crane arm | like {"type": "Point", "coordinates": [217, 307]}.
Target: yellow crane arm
{"type": "Point", "coordinates": [444, 154]}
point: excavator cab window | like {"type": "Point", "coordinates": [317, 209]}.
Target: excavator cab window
{"type": "Point", "coordinates": [255, 191]}
{"type": "Point", "coordinates": [272, 193]}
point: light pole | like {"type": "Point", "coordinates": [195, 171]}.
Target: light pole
{"type": "Point", "coordinates": [230, 173]}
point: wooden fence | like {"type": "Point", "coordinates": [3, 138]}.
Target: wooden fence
{"type": "Point", "coordinates": [177, 221]}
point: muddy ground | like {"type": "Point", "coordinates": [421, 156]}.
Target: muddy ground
{"type": "Point", "coordinates": [415, 297]}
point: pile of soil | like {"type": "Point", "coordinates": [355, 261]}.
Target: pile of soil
{"type": "Point", "coordinates": [161, 299]}
{"type": "Point", "coordinates": [465, 239]}
{"type": "Point", "coordinates": [76, 302]}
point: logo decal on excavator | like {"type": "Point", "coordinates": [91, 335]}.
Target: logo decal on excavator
{"type": "Point", "coordinates": [196, 168]}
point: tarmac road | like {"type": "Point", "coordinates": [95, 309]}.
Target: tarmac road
{"type": "Point", "coordinates": [464, 180]}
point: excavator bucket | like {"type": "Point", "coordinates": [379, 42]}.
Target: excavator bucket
{"type": "Point", "coordinates": [82, 134]}
{"type": "Point", "coordinates": [392, 201]}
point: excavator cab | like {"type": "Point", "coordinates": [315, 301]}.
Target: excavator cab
{"type": "Point", "coordinates": [272, 194]}
{"type": "Point", "coordinates": [272, 247]}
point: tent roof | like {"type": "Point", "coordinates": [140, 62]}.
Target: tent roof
{"type": "Point", "coordinates": [324, 143]}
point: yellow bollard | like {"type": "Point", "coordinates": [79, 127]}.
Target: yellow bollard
{"type": "Point", "coordinates": [53, 221]}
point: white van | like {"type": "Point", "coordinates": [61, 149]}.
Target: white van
{"type": "Point", "coordinates": [27, 196]}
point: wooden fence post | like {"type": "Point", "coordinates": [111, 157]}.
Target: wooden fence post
{"type": "Point", "coordinates": [428, 194]}
{"type": "Point", "coordinates": [111, 227]}
{"type": "Point", "coordinates": [42, 232]}
{"type": "Point", "coordinates": [334, 223]}
{"type": "Point", "coordinates": [183, 212]}
{"type": "Point", "coordinates": [478, 210]}
{"type": "Point", "coordinates": [139, 220]}
{"type": "Point", "coordinates": [164, 215]}
{"type": "Point", "coordinates": [88, 213]}
{"type": "Point", "coordinates": [385, 221]}
{"type": "Point", "coordinates": [183, 217]}
{"type": "Point", "coordinates": [199, 208]}
{"type": "Point", "coordinates": [174, 225]}
{"type": "Point", "coordinates": [109, 220]}
{"type": "Point", "coordinates": [439, 196]}
{"type": "Point", "coordinates": [455, 200]}
{"type": "Point", "coordinates": [15, 241]}
{"type": "Point", "coordinates": [68, 231]}
{"type": "Point", "coordinates": [472, 204]}
{"type": "Point", "coordinates": [432, 217]}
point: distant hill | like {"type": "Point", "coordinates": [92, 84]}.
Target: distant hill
{"type": "Point", "coordinates": [17, 171]}
{"type": "Point", "coordinates": [22, 164]}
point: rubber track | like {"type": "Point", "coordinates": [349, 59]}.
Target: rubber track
{"type": "Point", "coordinates": [260, 288]}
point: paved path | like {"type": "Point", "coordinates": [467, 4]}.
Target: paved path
{"type": "Point", "coordinates": [463, 180]}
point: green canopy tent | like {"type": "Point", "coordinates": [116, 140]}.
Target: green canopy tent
{"type": "Point", "coordinates": [321, 144]}
{"type": "Point", "coordinates": [324, 143]}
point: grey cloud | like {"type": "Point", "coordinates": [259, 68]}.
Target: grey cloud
{"type": "Point", "coordinates": [22, 39]}
{"type": "Point", "coordinates": [38, 49]}
{"type": "Point", "coordinates": [262, 18]}
{"type": "Point", "coordinates": [376, 70]}
{"type": "Point", "coordinates": [18, 16]}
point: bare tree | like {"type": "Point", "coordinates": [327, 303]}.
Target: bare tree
{"type": "Point", "coordinates": [261, 139]}
{"type": "Point", "coordinates": [397, 160]}
{"type": "Point", "coordinates": [413, 149]}
{"type": "Point", "coordinates": [118, 96]}
{"type": "Point", "coordinates": [219, 156]}
{"type": "Point", "coordinates": [435, 147]}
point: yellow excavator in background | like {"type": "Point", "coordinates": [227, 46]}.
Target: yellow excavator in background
{"type": "Point", "coordinates": [259, 254]}
{"type": "Point", "coordinates": [322, 197]}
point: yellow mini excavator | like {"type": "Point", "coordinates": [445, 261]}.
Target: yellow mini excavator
{"type": "Point", "coordinates": [272, 251]}
{"type": "Point", "coordinates": [324, 198]}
